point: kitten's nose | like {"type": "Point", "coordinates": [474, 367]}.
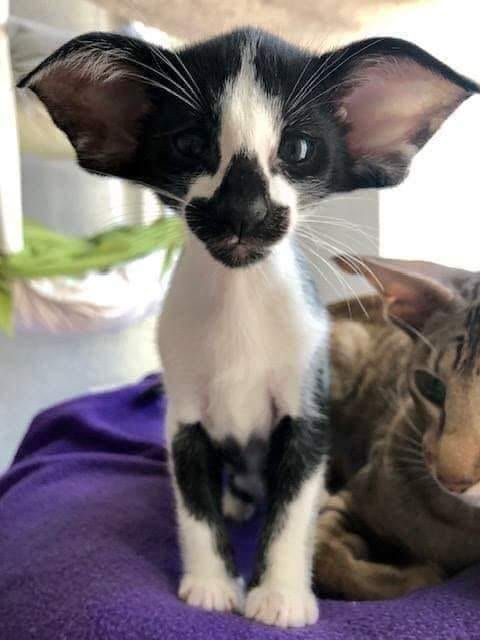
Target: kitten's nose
{"type": "Point", "coordinates": [241, 201]}
{"type": "Point", "coordinates": [246, 216]}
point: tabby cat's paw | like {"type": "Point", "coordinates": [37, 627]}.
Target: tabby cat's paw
{"type": "Point", "coordinates": [281, 606]}
{"type": "Point", "coordinates": [212, 593]}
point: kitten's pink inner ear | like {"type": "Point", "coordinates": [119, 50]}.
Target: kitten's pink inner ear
{"type": "Point", "coordinates": [394, 104]}
{"type": "Point", "coordinates": [100, 115]}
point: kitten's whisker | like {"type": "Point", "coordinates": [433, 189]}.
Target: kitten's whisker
{"type": "Point", "coordinates": [188, 87]}
{"type": "Point", "coordinates": [321, 217]}
{"type": "Point", "coordinates": [318, 78]}
{"type": "Point", "coordinates": [353, 292]}
{"type": "Point", "coordinates": [314, 79]}
{"type": "Point", "coordinates": [164, 87]}
{"type": "Point", "coordinates": [338, 64]}
{"type": "Point", "coordinates": [190, 83]}
{"type": "Point", "coordinates": [192, 79]}
{"type": "Point", "coordinates": [370, 238]}
{"type": "Point", "coordinates": [358, 266]}
{"type": "Point", "coordinates": [304, 106]}
{"type": "Point", "coordinates": [295, 86]}
{"type": "Point", "coordinates": [164, 76]}
{"type": "Point", "coordinates": [342, 281]}
{"type": "Point", "coordinates": [324, 277]}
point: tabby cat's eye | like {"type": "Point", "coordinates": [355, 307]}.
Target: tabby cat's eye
{"type": "Point", "coordinates": [296, 148]}
{"type": "Point", "coordinates": [431, 387]}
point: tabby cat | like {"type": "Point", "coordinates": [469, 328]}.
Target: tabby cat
{"type": "Point", "coordinates": [405, 467]}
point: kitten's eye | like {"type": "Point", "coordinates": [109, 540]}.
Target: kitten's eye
{"type": "Point", "coordinates": [431, 387]}
{"type": "Point", "coordinates": [295, 149]}
{"type": "Point", "coordinates": [190, 144]}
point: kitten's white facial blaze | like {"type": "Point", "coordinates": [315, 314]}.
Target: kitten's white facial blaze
{"type": "Point", "coordinates": [250, 123]}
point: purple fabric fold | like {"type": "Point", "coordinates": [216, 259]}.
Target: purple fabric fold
{"type": "Point", "coordinates": [88, 543]}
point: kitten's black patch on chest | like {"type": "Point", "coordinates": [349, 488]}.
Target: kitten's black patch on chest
{"type": "Point", "coordinates": [244, 458]}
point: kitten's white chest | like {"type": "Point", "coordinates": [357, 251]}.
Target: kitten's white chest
{"type": "Point", "coordinates": [236, 345]}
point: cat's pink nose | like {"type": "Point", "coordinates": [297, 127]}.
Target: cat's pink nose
{"type": "Point", "coordinates": [456, 459]}
{"type": "Point", "coordinates": [456, 485]}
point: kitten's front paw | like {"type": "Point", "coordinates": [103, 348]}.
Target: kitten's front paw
{"type": "Point", "coordinates": [281, 606]}
{"type": "Point", "coordinates": [212, 594]}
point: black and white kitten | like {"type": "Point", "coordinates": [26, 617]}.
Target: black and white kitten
{"type": "Point", "coordinates": [238, 133]}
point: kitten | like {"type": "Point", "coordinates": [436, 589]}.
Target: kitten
{"type": "Point", "coordinates": [406, 453]}
{"type": "Point", "coordinates": [240, 134]}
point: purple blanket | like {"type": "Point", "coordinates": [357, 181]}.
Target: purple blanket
{"type": "Point", "coordinates": [88, 548]}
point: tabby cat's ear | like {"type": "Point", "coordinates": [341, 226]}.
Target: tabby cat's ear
{"type": "Point", "coordinates": [413, 290]}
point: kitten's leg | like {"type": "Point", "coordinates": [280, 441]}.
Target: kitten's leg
{"type": "Point", "coordinates": [281, 591]}
{"type": "Point", "coordinates": [342, 567]}
{"type": "Point", "coordinates": [209, 579]}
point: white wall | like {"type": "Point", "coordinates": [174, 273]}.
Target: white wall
{"type": "Point", "coordinates": [434, 214]}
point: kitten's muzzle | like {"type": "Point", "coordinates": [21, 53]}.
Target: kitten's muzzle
{"type": "Point", "coordinates": [237, 236]}
{"type": "Point", "coordinates": [240, 222]}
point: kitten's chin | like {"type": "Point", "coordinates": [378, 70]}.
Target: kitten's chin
{"type": "Point", "coordinates": [237, 256]}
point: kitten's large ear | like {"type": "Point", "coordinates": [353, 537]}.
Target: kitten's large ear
{"type": "Point", "coordinates": [413, 290]}
{"type": "Point", "coordinates": [391, 96]}
{"type": "Point", "coordinates": [95, 88]}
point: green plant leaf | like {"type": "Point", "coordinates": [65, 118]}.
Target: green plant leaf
{"type": "Point", "coordinates": [6, 309]}
{"type": "Point", "coordinates": [48, 253]}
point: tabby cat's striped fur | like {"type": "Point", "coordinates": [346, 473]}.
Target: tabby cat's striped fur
{"type": "Point", "coordinates": [406, 469]}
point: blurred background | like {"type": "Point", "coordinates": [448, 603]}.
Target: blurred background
{"type": "Point", "coordinates": [431, 216]}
